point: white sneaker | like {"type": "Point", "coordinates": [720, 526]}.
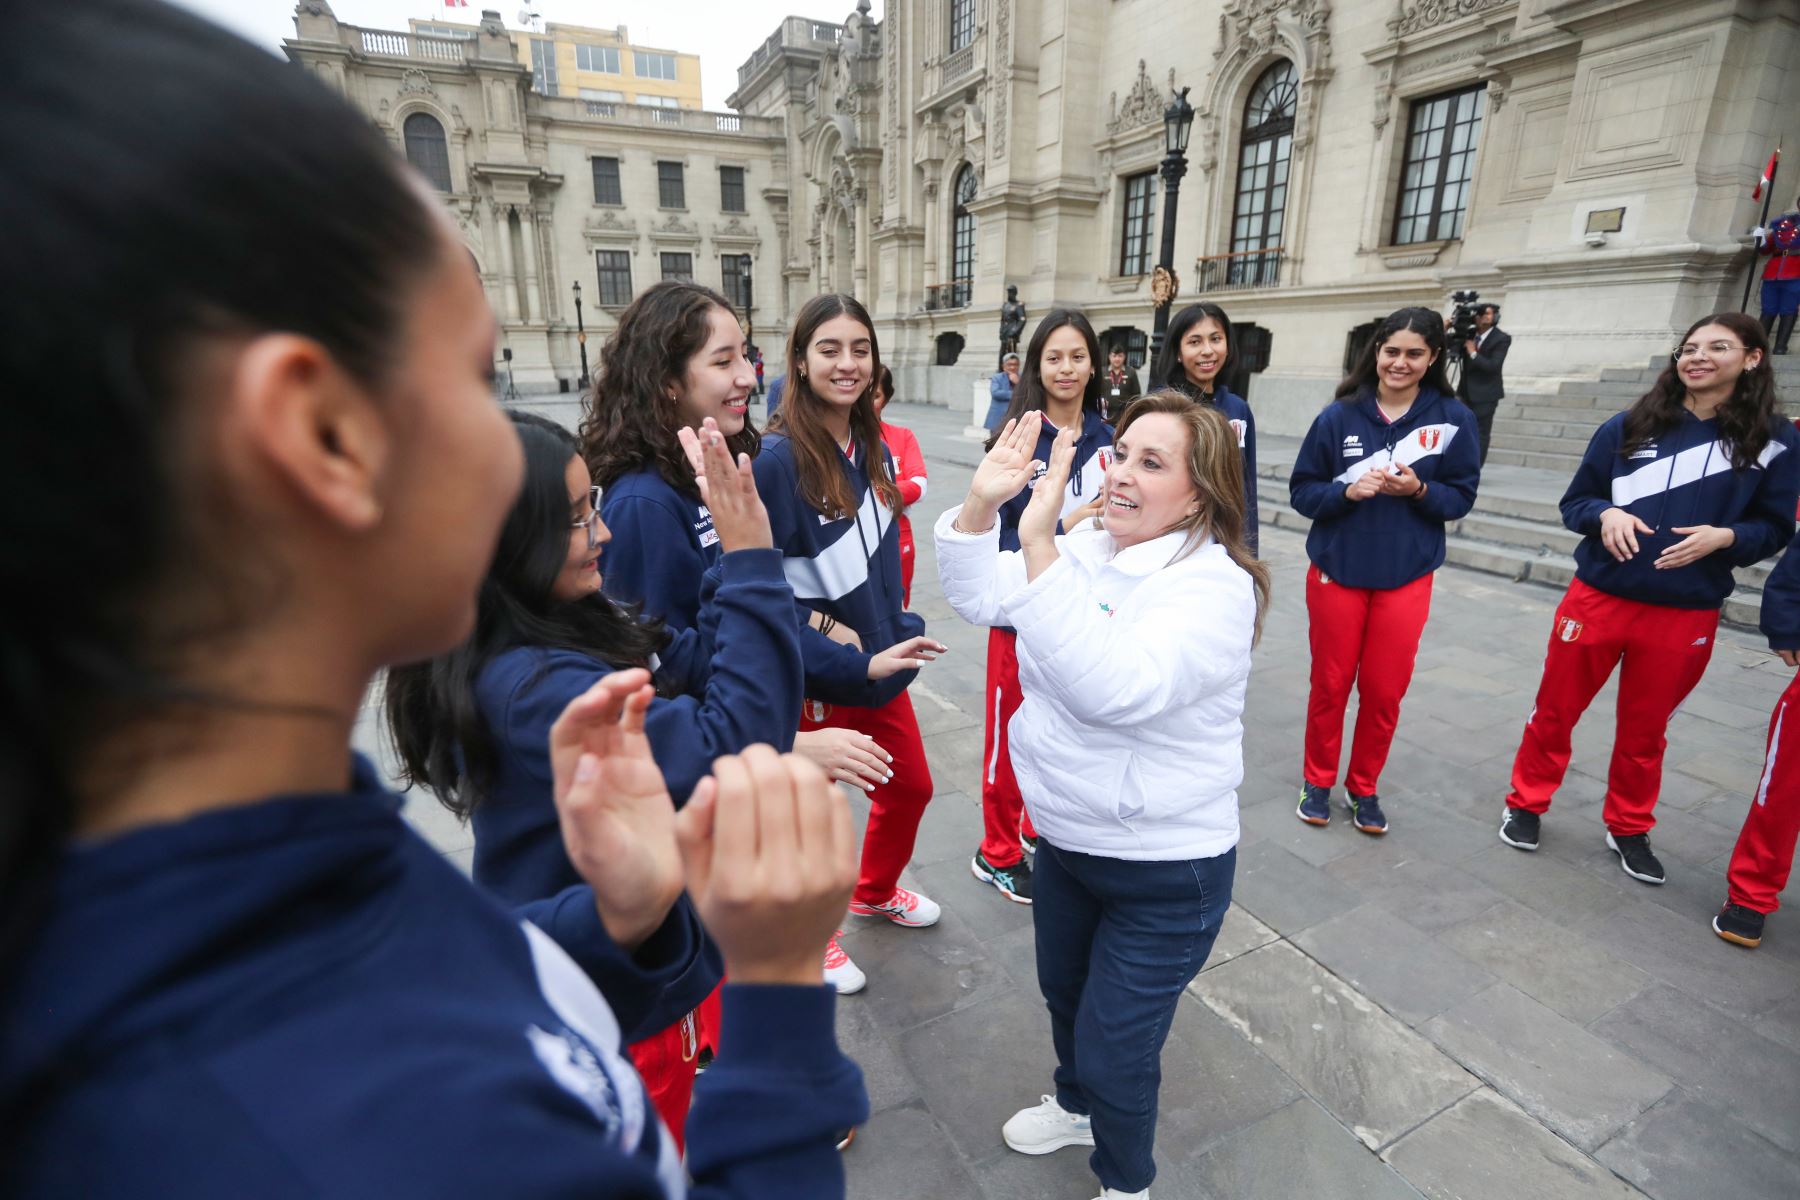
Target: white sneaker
{"type": "Point", "coordinates": [904, 908]}
{"type": "Point", "coordinates": [1047, 1127]}
{"type": "Point", "coordinates": [840, 972]}
{"type": "Point", "coordinates": [1116, 1194]}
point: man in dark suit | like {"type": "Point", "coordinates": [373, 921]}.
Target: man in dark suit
{"type": "Point", "coordinates": [1482, 388]}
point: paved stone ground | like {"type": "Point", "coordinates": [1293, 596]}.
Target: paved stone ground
{"type": "Point", "coordinates": [1429, 1014]}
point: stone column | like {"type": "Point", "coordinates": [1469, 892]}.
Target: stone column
{"type": "Point", "coordinates": [545, 248]}
{"type": "Point", "coordinates": [534, 297]}
{"type": "Point", "coordinates": [860, 223]}
{"type": "Point", "coordinates": [509, 291]}
{"type": "Point", "coordinates": [931, 233]}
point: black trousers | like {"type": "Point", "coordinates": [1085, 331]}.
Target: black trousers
{"type": "Point", "coordinates": [1484, 423]}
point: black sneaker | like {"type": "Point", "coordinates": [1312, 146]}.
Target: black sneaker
{"type": "Point", "coordinates": [1519, 829]}
{"type": "Point", "coordinates": [1635, 857]}
{"type": "Point", "coordinates": [1014, 882]}
{"type": "Point", "coordinates": [1028, 843]}
{"type": "Point", "coordinates": [1366, 814]}
{"type": "Point", "coordinates": [1315, 804]}
{"type": "Point", "coordinates": [1735, 923]}
{"type": "Point", "coordinates": [845, 1138]}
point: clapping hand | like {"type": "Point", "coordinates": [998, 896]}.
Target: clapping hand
{"type": "Point", "coordinates": [1400, 480]}
{"type": "Point", "coordinates": [728, 490]}
{"type": "Point", "coordinates": [1701, 540]}
{"type": "Point", "coordinates": [771, 859]}
{"type": "Point", "coordinates": [617, 821]}
{"type": "Point", "coordinates": [1037, 525]}
{"type": "Point", "coordinates": [1369, 483]}
{"type": "Point", "coordinates": [1002, 473]}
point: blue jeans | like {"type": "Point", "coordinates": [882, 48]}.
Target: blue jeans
{"type": "Point", "coordinates": [1117, 942]}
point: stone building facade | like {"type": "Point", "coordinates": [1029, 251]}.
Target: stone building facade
{"type": "Point", "coordinates": [1587, 163]}
{"type": "Point", "coordinates": [548, 191]}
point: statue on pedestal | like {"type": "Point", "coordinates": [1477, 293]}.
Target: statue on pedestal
{"type": "Point", "coordinates": [1012, 322]}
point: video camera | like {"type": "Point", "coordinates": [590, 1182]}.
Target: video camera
{"type": "Point", "coordinates": [1462, 321]}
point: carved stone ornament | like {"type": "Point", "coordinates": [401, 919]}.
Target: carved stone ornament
{"type": "Point", "coordinates": [734, 228]}
{"type": "Point", "coordinates": [1002, 84]}
{"type": "Point", "coordinates": [609, 220]}
{"type": "Point", "coordinates": [415, 82]}
{"type": "Point", "coordinates": [1165, 285]}
{"type": "Point", "coordinates": [1144, 104]}
{"type": "Point", "coordinates": [676, 225]}
{"type": "Point", "coordinates": [1428, 14]}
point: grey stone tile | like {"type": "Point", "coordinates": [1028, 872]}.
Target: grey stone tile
{"type": "Point", "coordinates": [1284, 892]}
{"type": "Point", "coordinates": [1277, 825]}
{"type": "Point", "coordinates": [1214, 1082]}
{"type": "Point", "coordinates": [1484, 1147]}
{"type": "Point", "coordinates": [1403, 970]}
{"type": "Point", "coordinates": [1781, 1023]}
{"type": "Point", "coordinates": [904, 1151]}
{"type": "Point", "coordinates": [1559, 969]}
{"type": "Point", "coordinates": [1374, 1074]}
{"type": "Point", "coordinates": [980, 906]}
{"type": "Point", "coordinates": [866, 1038]}
{"type": "Point", "coordinates": [1566, 895]}
{"type": "Point", "coordinates": [1582, 1087]}
{"type": "Point", "coordinates": [1425, 894]}
{"type": "Point", "coordinates": [949, 831]}
{"type": "Point", "coordinates": [1009, 1175]}
{"type": "Point", "coordinates": [1239, 934]}
{"type": "Point", "coordinates": [1298, 1151]}
{"type": "Point", "coordinates": [918, 974]}
{"type": "Point", "coordinates": [1684, 952]}
{"type": "Point", "coordinates": [1715, 1059]}
{"type": "Point", "coordinates": [979, 1065]}
{"type": "Point", "coordinates": [1685, 1150]}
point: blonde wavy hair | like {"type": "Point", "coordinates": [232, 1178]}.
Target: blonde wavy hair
{"type": "Point", "coordinates": [1216, 469]}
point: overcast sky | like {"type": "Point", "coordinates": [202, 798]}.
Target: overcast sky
{"type": "Point", "coordinates": [722, 32]}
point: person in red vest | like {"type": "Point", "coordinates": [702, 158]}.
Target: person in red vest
{"type": "Point", "coordinates": [1781, 276]}
{"type": "Point", "coordinates": [909, 473]}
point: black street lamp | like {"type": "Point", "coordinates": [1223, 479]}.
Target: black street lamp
{"type": "Point", "coordinates": [1178, 122]}
{"type": "Point", "coordinates": [580, 336]}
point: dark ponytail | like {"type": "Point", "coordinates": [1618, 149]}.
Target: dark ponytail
{"type": "Point", "coordinates": [181, 184]}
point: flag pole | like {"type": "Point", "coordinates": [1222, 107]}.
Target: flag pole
{"type": "Point", "coordinates": [1768, 198]}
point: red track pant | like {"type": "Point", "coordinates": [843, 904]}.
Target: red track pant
{"type": "Point", "coordinates": [896, 806]}
{"type": "Point", "coordinates": [1765, 849]}
{"type": "Point", "coordinates": [667, 1061]}
{"type": "Point", "coordinates": [1369, 637]}
{"type": "Point", "coordinates": [1003, 815]}
{"type": "Point", "coordinates": [906, 562]}
{"type": "Point", "coordinates": [1664, 651]}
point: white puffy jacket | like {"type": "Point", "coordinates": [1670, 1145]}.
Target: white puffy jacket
{"type": "Point", "coordinates": [1129, 742]}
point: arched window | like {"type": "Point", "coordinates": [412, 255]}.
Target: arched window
{"type": "Point", "coordinates": [1262, 176]}
{"type": "Point", "coordinates": [962, 239]}
{"type": "Point", "coordinates": [427, 150]}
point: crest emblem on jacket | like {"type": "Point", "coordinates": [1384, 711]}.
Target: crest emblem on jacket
{"type": "Point", "coordinates": [1568, 629]}
{"type": "Point", "coordinates": [1430, 436]}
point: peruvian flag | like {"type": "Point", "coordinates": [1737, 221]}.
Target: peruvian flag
{"type": "Point", "coordinates": [456, 3]}
{"type": "Point", "coordinates": [1767, 175]}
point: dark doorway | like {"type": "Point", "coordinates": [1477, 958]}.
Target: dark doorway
{"type": "Point", "coordinates": [949, 349]}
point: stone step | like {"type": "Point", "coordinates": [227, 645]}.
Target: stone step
{"type": "Point", "coordinates": [1573, 433]}
{"type": "Point", "coordinates": [1588, 419]}
{"type": "Point", "coordinates": [1512, 437]}
{"type": "Point", "coordinates": [1556, 464]}
{"type": "Point", "coordinates": [1623, 391]}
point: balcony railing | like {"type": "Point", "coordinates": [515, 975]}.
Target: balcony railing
{"type": "Point", "coordinates": [955, 294]}
{"type": "Point", "coordinates": [698, 120]}
{"type": "Point", "coordinates": [956, 65]}
{"type": "Point", "coordinates": [795, 33]}
{"type": "Point", "coordinates": [1238, 271]}
{"type": "Point", "coordinates": [412, 45]}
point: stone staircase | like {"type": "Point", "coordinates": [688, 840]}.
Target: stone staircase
{"type": "Point", "coordinates": [1516, 529]}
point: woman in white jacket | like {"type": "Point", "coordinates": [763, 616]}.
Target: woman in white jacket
{"type": "Point", "coordinates": [1128, 745]}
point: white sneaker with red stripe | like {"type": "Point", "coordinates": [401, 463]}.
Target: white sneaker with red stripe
{"type": "Point", "coordinates": [840, 972]}
{"type": "Point", "coordinates": [904, 908]}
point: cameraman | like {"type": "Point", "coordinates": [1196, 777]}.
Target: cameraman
{"type": "Point", "coordinates": [1481, 387]}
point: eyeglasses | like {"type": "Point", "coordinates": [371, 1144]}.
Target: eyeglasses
{"type": "Point", "coordinates": [591, 522]}
{"type": "Point", "coordinates": [1713, 350]}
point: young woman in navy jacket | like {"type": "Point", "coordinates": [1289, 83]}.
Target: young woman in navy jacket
{"type": "Point", "coordinates": [212, 917]}
{"type": "Point", "coordinates": [1196, 360]}
{"type": "Point", "coordinates": [473, 725]}
{"type": "Point", "coordinates": [1061, 380]}
{"type": "Point", "coordinates": [677, 360]}
{"type": "Point", "coordinates": [828, 482]}
{"type": "Point", "coordinates": [1696, 478]}
{"type": "Point", "coordinates": [1383, 467]}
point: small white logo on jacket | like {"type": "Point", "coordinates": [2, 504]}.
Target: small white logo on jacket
{"type": "Point", "coordinates": [1352, 446]}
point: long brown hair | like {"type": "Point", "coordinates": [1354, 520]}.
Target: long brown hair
{"type": "Point", "coordinates": [630, 418]}
{"type": "Point", "coordinates": [1216, 469]}
{"type": "Point", "coordinates": [1745, 420]}
{"type": "Point", "coordinates": [802, 416]}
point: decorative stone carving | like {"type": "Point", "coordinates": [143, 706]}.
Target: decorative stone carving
{"type": "Point", "coordinates": [675, 224]}
{"type": "Point", "coordinates": [1428, 14]}
{"type": "Point", "coordinates": [414, 82]}
{"type": "Point", "coordinates": [1001, 53]}
{"type": "Point", "coordinates": [1144, 105]}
